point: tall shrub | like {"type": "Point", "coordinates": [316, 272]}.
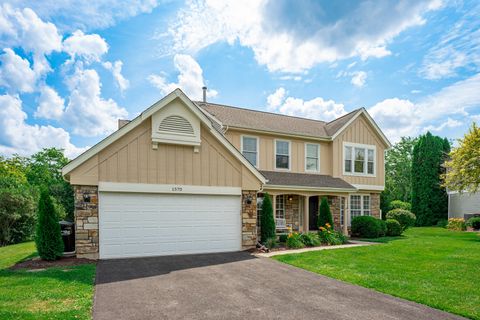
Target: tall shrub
{"type": "Point", "coordinates": [324, 214]}
{"type": "Point", "coordinates": [267, 229]}
{"type": "Point", "coordinates": [429, 198]}
{"type": "Point", "coordinates": [48, 237]}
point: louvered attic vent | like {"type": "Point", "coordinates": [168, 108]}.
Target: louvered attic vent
{"type": "Point", "coordinates": [176, 124]}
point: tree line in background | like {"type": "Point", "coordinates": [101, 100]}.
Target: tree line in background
{"type": "Point", "coordinates": [414, 169]}
{"type": "Point", "coordinates": [22, 179]}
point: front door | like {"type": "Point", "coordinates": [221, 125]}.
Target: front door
{"type": "Point", "coordinates": [313, 212]}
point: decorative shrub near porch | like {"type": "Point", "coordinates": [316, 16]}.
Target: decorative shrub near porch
{"type": "Point", "coordinates": [329, 236]}
{"type": "Point", "coordinates": [366, 227]}
{"type": "Point", "coordinates": [393, 228]}
{"type": "Point", "coordinates": [457, 224]}
{"type": "Point", "coordinates": [324, 214]}
{"type": "Point", "coordinates": [48, 236]}
{"type": "Point", "coordinates": [267, 223]}
{"type": "Point", "coordinates": [474, 223]}
{"type": "Point", "coordinates": [294, 241]}
{"type": "Point", "coordinates": [404, 217]}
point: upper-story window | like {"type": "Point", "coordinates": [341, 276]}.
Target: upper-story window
{"type": "Point", "coordinates": [359, 159]}
{"type": "Point", "coordinates": [282, 154]}
{"type": "Point", "coordinates": [312, 157]}
{"type": "Point", "coordinates": [250, 149]}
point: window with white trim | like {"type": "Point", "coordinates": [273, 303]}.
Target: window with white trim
{"type": "Point", "coordinates": [280, 207]}
{"type": "Point", "coordinates": [359, 205]}
{"type": "Point", "coordinates": [342, 210]}
{"type": "Point", "coordinates": [359, 159]}
{"type": "Point", "coordinates": [250, 149]}
{"type": "Point", "coordinates": [282, 154]}
{"type": "Point", "coordinates": [312, 157]}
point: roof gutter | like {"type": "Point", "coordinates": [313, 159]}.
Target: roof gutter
{"type": "Point", "coordinates": [306, 188]}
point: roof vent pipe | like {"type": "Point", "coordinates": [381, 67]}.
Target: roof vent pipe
{"type": "Point", "coordinates": [204, 94]}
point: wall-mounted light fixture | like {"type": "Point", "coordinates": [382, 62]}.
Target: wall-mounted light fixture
{"type": "Point", "coordinates": [249, 200]}
{"type": "Point", "coordinates": [86, 197]}
{"type": "Point", "coordinates": [290, 198]}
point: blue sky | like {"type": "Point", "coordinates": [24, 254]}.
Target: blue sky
{"type": "Point", "coordinates": [69, 70]}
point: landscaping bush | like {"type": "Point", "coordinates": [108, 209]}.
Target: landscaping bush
{"type": "Point", "coordinates": [457, 224]}
{"type": "Point", "coordinates": [294, 241]}
{"type": "Point", "coordinates": [365, 227]}
{"type": "Point", "coordinates": [399, 204]}
{"type": "Point", "coordinates": [282, 238]}
{"type": "Point", "coordinates": [442, 223]}
{"type": "Point", "coordinates": [17, 216]}
{"type": "Point", "coordinates": [267, 223]}
{"type": "Point", "coordinates": [324, 214]}
{"type": "Point", "coordinates": [48, 237]}
{"type": "Point", "coordinates": [382, 228]}
{"type": "Point", "coordinates": [271, 243]}
{"type": "Point", "coordinates": [474, 223]}
{"type": "Point", "coordinates": [393, 228]}
{"type": "Point", "coordinates": [404, 217]}
{"type": "Point", "coordinates": [331, 237]}
{"type": "Point", "coordinates": [310, 239]}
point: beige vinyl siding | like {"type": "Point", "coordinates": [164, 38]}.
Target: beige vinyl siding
{"type": "Point", "coordinates": [297, 152]}
{"type": "Point", "coordinates": [360, 131]}
{"type": "Point", "coordinates": [132, 159]}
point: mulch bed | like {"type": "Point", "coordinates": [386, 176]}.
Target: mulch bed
{"type": "Point", "coordinates": [37, 263]}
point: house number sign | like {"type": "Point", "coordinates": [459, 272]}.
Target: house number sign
{"type": "Point", "coordinates": [177, 189]}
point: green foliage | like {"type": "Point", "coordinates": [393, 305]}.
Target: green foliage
{"type": "Point", "coordinates": [464, 164]}
{"type": "Point", "coordinates": [382, 228]}
{"type": "Point", "coordinates": [398, 163]}
{"type": "Point", "coordinates": [48, 238]}
{"type": "Point", "coordinates": [294, 241]}
{"type": "Point", "coordinates": [393, 228]}
{"type": "Point", "coordinates": [429, 198]}
{"type": "Point", "coordinates": [310, 239]}
{"type": "Point", "coordinates": [282, 238]}
{"type": "Point", "coordinates": [404, 217]}
{"type": "Point", "coordinates": [457, 224]}
{"type": "Point", "coordinates": [331, 237]}
{"type": "Point", "coordinates": [271, 243]}
{"type": "Point", "coordinates": [474, 223]}
{"type": "Point", "coordinates": [399, 204]}
{"type": "Point", "coordinates": [442, 223]}
{"type": "Point", "coordinates": [267, 229]}
{"type": "Point", "coordinates": [324, 214]}
{"type": "Point", "coordinates": [366, 227]}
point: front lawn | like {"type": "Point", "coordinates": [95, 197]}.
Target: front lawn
{"type": "Point", "coordinates": [433, 266]}
{"type": "Point", "coordinates": [55, 293]}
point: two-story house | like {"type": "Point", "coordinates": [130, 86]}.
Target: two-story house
{"type": "Point", "coordinates": [188, 177]}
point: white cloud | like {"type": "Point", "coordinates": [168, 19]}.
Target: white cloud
{"type": "Point", "coordinates": [359, 78]}
{"type": "Point", "coordinates": [116, 69]}
{"type": "Point", "coordinates": [19, 137]}
{"type": "Point", "coordinates": [399, 117]}
{"type": "Point", "coordinates": [87, 113]}
{"type": "Point", "coordinates": [50, 104]}
{"type": "Point", "coordinates": [90, 47]}
{"type": "Point", "coordinates": [190, 78]}
{"type": "Point", "coordinates": [87, 14]}
{"type": "Point", "coordinates": [317, 108]}
{"type": "Point", "coordinates": [15, 72]}
{"type": "Point", "coordinates": [450, 123]}
{"type": "Point", "coordinates": [284, 39]}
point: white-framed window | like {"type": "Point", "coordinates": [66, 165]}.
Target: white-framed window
{"type": "Point", "coordinates": [312, 157]}
{"type": "Point", "coordinates": [359, 205]}
{"type": "Point", "coordinates": [359, 159]}
{"type": "Point", "coordinates": [342, 210]}
{"type": "Point", "coordinates": [250, 148]}
{"type": "Point", "coordinates": [280, 207]}
{"type": "Point", "coordinates": [282, 154]}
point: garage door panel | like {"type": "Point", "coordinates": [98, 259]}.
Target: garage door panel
{"type": "Point", "coordinates": [133, 225]}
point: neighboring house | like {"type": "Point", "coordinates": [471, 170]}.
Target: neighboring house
{"type": "Point", "coordinates": [185, 177]}
{"type": "Point", "coordinates": [463, 205]}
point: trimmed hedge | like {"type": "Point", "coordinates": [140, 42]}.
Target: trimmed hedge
{"type": "Point", "coordinates": [366, 227]}
{"type": "Point", "coordinates": [404, 217]}
{"type": "Point", "coordinates": [393, 228]}
{"type": "Point", "coordinates": [474, 223]}
{"type": "Point", "coordinates": [48, 238]}
{"type": "Point", "coordinates": [267, 223]}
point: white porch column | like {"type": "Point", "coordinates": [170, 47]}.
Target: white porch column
{"type": "Point", "coordinates": [346, 216]}
{"type": "Point", "coordinates": [306, 214]}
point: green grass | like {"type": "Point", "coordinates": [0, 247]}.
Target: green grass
{"type": "Point", "coordinates": [433, 266]}
{"type": "Point", "coordinates": [55, 293]}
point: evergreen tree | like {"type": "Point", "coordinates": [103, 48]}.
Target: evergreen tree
{"type": "Point", "coordinates": [429, 198]}
{"type": "Point", "coordinates": [48, 238]}
{"type": "Point", "coordinates": [324, 214]}
{"type": "Point", "coordinates": [267, 223]}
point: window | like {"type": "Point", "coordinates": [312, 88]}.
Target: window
{"type": "Point", "coordinates": [312, 157]}
{"type": "Point", "coordinates": [359, 206]}
{"type": "Point", "coordinates": [280, 207]}
{"type": "Point", "coordinates": [250, 149]}
{"type": "Point", "coordinates": [259, 208]}
{"type": "Point", "coordinates": [282, 154]}
{"type": "Point", "coordinates": [342, 210]}
{"type": "Point", "coordinates": [359, 159]}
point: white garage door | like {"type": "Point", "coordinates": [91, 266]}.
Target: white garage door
{"type": "Point", "coordinates": [140, 224]}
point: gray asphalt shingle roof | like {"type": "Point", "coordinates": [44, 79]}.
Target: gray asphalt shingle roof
{"type": "Point", "coordinates": [305, 180]}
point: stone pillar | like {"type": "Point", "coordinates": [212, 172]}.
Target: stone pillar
{"type": "Point", "coordinates": [249, 219]}
{"type": "Point", "coordinates": [334, 202]}
{"type": "Point", "coordinates": [306, 214]}
{"type": "Point", "coordinates": [86, 221]}
{"type": "Point", "coordinates": [292, 211]}
{"type": "Point", "coordinates": [375, 204]}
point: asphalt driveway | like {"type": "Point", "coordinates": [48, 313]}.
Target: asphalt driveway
{"type": "Point", "coordinates": [236, 286]}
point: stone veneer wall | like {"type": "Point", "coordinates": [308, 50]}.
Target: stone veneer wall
{"type": "Point", "coordinates": [292, 208]}
{"type": "Point", "coordinates": [334, 202]}
{"type": "Point", "coordinates": [249, 220]}
{"type": "Point", "coordinates": [86, 221]}
{"type": "Point", "coordinates": [375, 204]}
